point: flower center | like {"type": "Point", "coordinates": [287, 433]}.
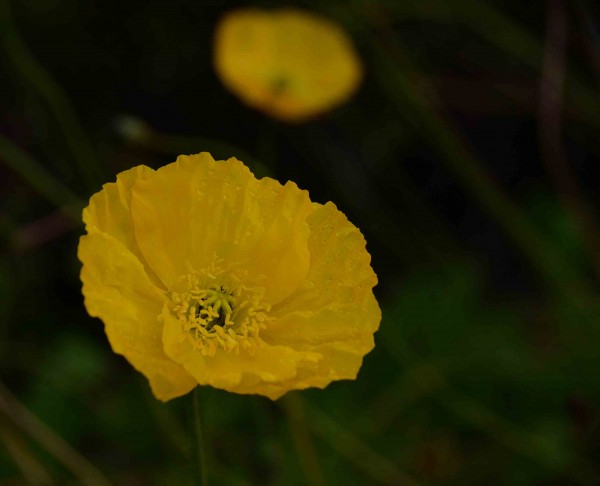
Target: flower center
{"type": "Point", "coordinates": [216, 310]}
{"type": "Point", "coordinates": [278, 85]}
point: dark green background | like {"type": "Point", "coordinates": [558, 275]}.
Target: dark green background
{"type": "Point", "coordinates": [479, 208]}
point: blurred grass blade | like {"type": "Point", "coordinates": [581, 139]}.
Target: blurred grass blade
{"type": "Point", "coordinates": [49, 90]}
{"type": "Point", "coordinates": [40, 179]}
{"type": "Point", "coordinates": [296, 419]}
{"type": "Point", "coordinates": [409, 99]}
{"type": "Point", "coordinates": [40, 231]}
{"type": "Point", "coordinates": [552, 147]}
{"type": "Point", "coordinates": [489, 23]}
{"type": "Point", "coordinates": [527, 444]}
{"type": "Point", "coordinates": [170, 427]}
{"type": "Point", "coordinates": [82, 469]}
{"type": "Point", "coordinates": [505, 33]}
{"type": "Point", "coordinates": [429, 380]}
{"type": "Point", "coordinates": [373, 464]}
{"type": "Point", "coordinates": [34, 472]}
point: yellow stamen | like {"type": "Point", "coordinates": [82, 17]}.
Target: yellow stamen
{"type": "Point", "coordinates": [217, 311]}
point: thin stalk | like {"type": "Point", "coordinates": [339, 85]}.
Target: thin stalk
{"type": "Point", "coordinates": [198, 448]}
{"type": "Point", "coordinates": [552, 148]}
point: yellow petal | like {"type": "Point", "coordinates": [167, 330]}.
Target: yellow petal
{"type": "Point", "coordinates": [266, 371]}
{"type": "Point", "coordinates": [340, 272]}
{"type": "Point", "coordinates": [340, 322]}
{"type": "Point", "coordinates": [118, 291]}
{"type": "Point", "coordinates": [341, 352]}
{"type": "Point", "coordinates": [197, 210]}
{"type": "Point", "coordinates": [109, 210]}
{"type": "Point", "coordinates": [289, 63]}
{"type": "Point", "coordinates": [295, 275]}
{"type": "Point", "coordinates": [277, 247]}
{"type": "Point", "coordinates": [334, 310]}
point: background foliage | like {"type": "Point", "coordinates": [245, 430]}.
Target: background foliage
{"type": "Point", "coordinates": [469, 159]}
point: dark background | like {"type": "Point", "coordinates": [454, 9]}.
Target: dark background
{"type": "Point", "coordinates": [468, 158]}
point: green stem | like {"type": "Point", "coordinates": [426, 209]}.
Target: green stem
{"type": "Point", "coordinates": [51, 92]}
{"type": "Point", "coordinates": [40, 179]}
{"type": "Point", "coordinates": [198, 450]}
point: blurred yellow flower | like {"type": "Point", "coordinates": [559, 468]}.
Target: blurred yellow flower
{"type": "Point", "coordinates": [289, 63]}
{"type": "Point", "coordinates": [203, 274]}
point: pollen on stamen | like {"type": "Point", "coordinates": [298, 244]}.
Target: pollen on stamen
{"type": "Point", "coordinates": [216, 311]}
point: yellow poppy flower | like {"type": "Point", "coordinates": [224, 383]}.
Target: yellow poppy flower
{"type": "Point", "coordinates": [289, 63]}
{"type": "Point", "coordinates": [203, 274]}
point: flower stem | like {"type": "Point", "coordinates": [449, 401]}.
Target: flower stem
{"type": "Point", "coordinates": [198, 450]}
